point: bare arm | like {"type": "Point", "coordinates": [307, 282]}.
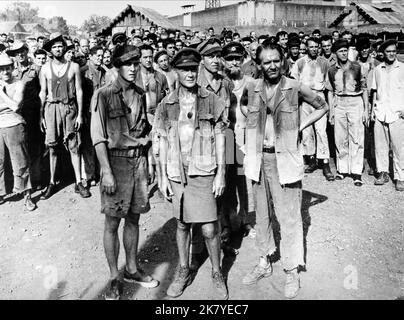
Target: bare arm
{"type": "Point", "coordinates": [13, 102]}
{"type": "Point", "coordinates": [42, 96]}
{"type": "Point", "coordinates": [165, 184]}
{"type": "Point", "coordinates": [317, 102]}
{"type": "Point", "coordinates": [79, 96]}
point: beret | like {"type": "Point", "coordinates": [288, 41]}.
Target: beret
{"type": "Point", "coordinates": [159, 54]}
{"type": "Point", "coordinates": [187, 57]}
{"type": "Point", "coordinates": [387, 43]}
{"type": "Point", "coordinates": [340, 43]}
{"type": "Point", "coordinates": [294, 42]}
{"type": "Point", "coordinates": [362, 43]}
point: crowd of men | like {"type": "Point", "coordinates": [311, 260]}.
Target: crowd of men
{"type": "Point", "coordinates": [224, 125]}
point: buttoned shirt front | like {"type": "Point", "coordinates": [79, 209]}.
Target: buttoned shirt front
{"type": "Point", "coordinates": [346, 82]}
{"type": "Point", "coordinates": [312, 73]}
{"type": "Point", "coordinates": [389, 87]}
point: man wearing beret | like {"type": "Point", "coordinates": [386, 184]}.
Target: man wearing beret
{"type": "Point", "coordinates": [388, 112]}
{"type": "Point", "coordinates": [61, 111]}
{"type": "Point", "coordinates": [349, 112]}
{"type": "Point", "coordinates": [192, 122]}
{"type": "Point", "coordinates": [120, 133]}
{"type": "Point", "coordinates": [238, 189]}
{"type": "Point", "coordinates": [312, 70]}
{"type": "Point", "coordinates": [161, 59]}
{"type": "Point", "coordinates": [274, 161]}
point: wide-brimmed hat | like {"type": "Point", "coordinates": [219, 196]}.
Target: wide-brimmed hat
{"type": "Point", "coordinates": [54, 37]}
{"type": "Point", "coordinates": [17, 46]}
{"type": "Point", "coordinates": [5, 60]}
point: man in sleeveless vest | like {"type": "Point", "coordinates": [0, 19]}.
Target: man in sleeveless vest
{"type": "Point", "coordinates": [120, 132]}
{"type": "Point", "coordinates": [274, 161]}
{"type": "Point", "coordinates": [62, 110]}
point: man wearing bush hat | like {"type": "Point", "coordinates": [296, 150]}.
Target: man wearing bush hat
{"type": "Point", "coordinates": [120, 134]}
{"type": "Point", "coordinates": [191, 122]}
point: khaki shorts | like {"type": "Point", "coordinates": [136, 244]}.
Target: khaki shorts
{"type": "Point", "coordinates": [60, 119]}
{"type": "Point", "coordinates": [131, 195]}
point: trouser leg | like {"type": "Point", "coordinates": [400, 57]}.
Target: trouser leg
{"type": "Point", "coordinates": [308, 134]}
{"type": "Point", "coordinates": [287, 204]}
{"type": "Point", "coordinates": [356, 131]}
{"type": "Point", "coordinates": [382, 142]}
{"type": "Point", "coordinates": [341, 138]}
{"type": "Point", "coordinates": [2, 162]}
{"type": "Point", "coordinates": [397, 144]}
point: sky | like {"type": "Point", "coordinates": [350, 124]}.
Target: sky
{"type": "Point", "coordinates": [75, 12]}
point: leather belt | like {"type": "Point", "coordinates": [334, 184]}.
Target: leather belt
{"type": "Point", "coordinates": [268, 150]}
{"type": "Point", "coordinates": [129, 153]}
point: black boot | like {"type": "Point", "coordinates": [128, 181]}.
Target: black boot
{"type": "Point", "coordinates": [327, 172]}
{"type": "Point", "coordinates": [312, 165]}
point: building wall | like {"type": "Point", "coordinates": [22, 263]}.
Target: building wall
{"type": "Point", "coordinates": [255, 15]}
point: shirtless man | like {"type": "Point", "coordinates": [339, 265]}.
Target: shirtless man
{"type": "Point", "coordinates": [61, 110]}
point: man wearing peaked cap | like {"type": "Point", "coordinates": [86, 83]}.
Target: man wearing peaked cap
{"type": "Point", "coordinates": [237, 187]}
{"type": "Point", "coordinates": [120, 133]}
{"type": "Point", "coordinates": [194, 175]}
{"type": "Point", "coordinates": [211, 79]}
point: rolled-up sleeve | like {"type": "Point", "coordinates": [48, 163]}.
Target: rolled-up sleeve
{"type": "Point", "coordinates": [220, 115]}
{"type": "Point", "coordinates": [98, 119]}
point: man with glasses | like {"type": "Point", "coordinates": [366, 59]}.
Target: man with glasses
{"type": "Point", "coordinates": [388, 114]}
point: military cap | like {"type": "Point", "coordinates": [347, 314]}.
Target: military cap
{"type": "Point", "coordinates": [209, 46]}
{"type": "Point", "coordinates": [294, 42]}
{"type": "Point", "coordinates": [125, 53]}
{"type": "Point", "coordinates": [340, 43]}
{"type": "Point", "coordinates": [195, 42]}
{"type": "Point", "coordinates": [362, 43]}
{"type": "Point", "coordinates": [387, 43]}
{"type": "Point", "coordinates": [187, 57]}
{"type": "Point", "coordinates": [5, 60]}
{"type": "Point", "coordinates": [233, 49]}
{"type": "Point", "coordinates": [159, 54]}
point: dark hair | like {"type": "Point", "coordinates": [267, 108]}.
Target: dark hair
{"type": "Point", "coordinates": [313, 39]}
{"type": "Point", "coordinates": [94, 49]}
{"type": "Point", "coordinates": [346, 32]}
{"type": "Point", "coordinates": [39, 51]}
{"type": "Point", "coordinates": [262, 36]}
{"type": "Point", "coordinates": [281, 33]}
{"type": "Point", "coordinates": [40, 38]}
{"type": "Point", "coordinates": [316, 31]}
{"type": "Point", "coordinates": [167, 42]}
{"type": "Point", "coordinates": [269, 45]}
{"type": "Point", "coordinates": [145, 47]}
{"type": "Point", "coordinates": [236, 34]}
{"type": "Point", "coordinates": [326, 37]}
{"type": "Point", "coordinates": [335, 31]}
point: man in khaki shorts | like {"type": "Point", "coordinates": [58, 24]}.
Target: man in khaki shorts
{"type": "Point", "coordinates": [120, 134]}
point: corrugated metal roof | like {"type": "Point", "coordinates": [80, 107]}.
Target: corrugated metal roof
{"type": "Point", "coordinates": [150, 15]}
{"type": "Point", "coordinates": [384, 13]}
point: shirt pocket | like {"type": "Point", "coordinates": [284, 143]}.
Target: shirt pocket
{"type": "Point", "coordinates": [204, 149]}
{"type": "Point", "coordinates": [253, 116]}
{"type": "Point", "coordinates": [288, 118]}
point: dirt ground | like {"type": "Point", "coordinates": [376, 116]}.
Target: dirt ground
{"type": "Point", "coordinates": [354, 240]}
